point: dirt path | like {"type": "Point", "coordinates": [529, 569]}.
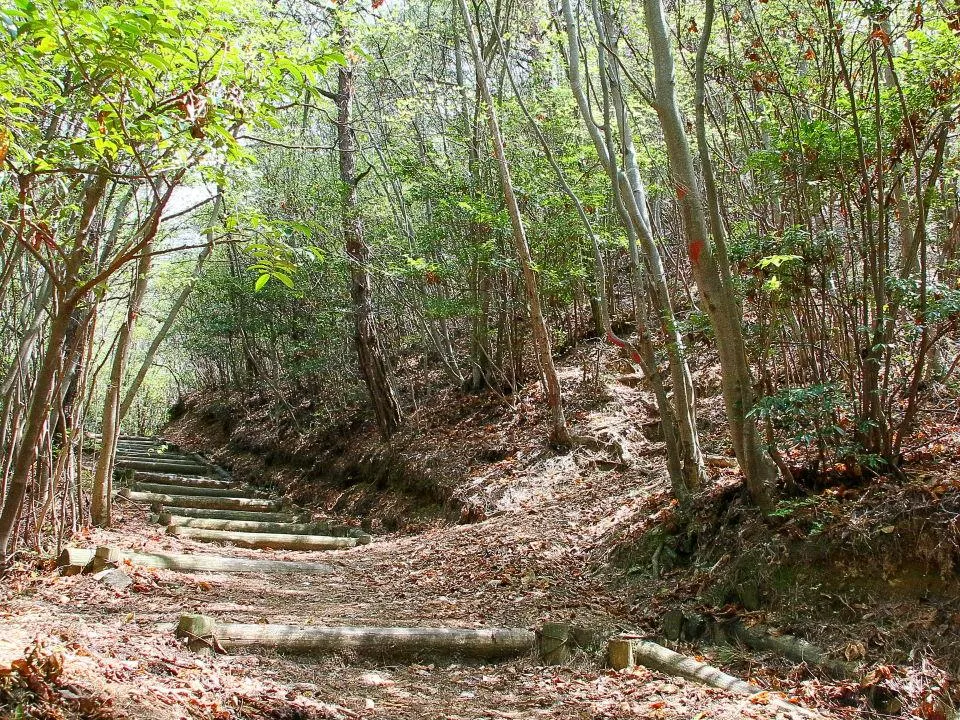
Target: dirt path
{"type": "Point", "coordinates": [535, 560]}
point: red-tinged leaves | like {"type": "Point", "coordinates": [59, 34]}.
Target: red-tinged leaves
{"type": "Point", "coordinates": [377, 3]}
{"type": "Point", "coordinates": [881, 36]}
{"type": "Point", "coordinates": [681, 192]}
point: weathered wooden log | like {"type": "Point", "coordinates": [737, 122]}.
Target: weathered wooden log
{"type": "Point", "coordinates": [122, 458]}
{"type": "Point", "coordinates": [390, 644]}
{"type": "Point", "coordinates": [171, 489]}
{"type": "Point", "coordinates": [165, 467]}
{"type": "Point", "coordinates": [793, 648]}
{"type": "Point", "coordinates": [145, 447]}
{"type": "Point", "coordinates": [108, 556]}
{"type": "Point", "coordinates": [211, 503]}
{"type": "Point", "coordinates": [274, 541]}
{"type": "Point", "coordinates": [629, 652]}
{"type": "Point", "coordinates": [160, 459]}
{"type": "Point", "coordinates": [626, 652]}
{"type": "Point", "coordinates": [559, 643]}
{"type": "Point", "coordinates": [288, 528]}
{"type": "Point", "coordinates": [185, 480]}
{"type": "Point", "coordinates": [73, 561]}
{"type": "Point", "coordinates": [254, 515]}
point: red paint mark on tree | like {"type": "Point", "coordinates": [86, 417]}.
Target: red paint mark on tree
{"type": "Point", "coordinates": [696, 247]}
{"type": "Point", "coordinates": [614, 340]}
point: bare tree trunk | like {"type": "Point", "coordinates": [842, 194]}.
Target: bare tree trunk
{"type": "Point", "coordinates": [370, 350]}
{"type": "Point", "coordinates": [718, 298]}
{"type": "Point", "coordinates": [679, 421]}
{"type": "Point", "coordinates": [35, 424]}
{"type": "Point", "coordinates": [559, 434]}
{"type": "Point", "coordinates": [100, 508]}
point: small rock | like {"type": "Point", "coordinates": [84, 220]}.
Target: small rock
{"type": "Point", "coordinates": [673, 625]}
{"type": "Point", "coordinates": [114, 579]}
{"type": "Point", "coordinates": [694, 626]}
{"type": "Point", "coordinates": [748, 592]}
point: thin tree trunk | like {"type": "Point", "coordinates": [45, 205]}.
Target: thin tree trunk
{"type": "Point", "coordinates": [101, 505]}
{"type": "Point", "coordinates": [559, 434]}
{"type": "Point", "coordinates": [718, 298]}
{"type": "Point", "coordinates": [630, 198]}
{"type": "Point", "coordinates": [370, 350]}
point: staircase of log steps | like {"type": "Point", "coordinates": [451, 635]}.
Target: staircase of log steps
{"type": "Point", "coordinates": [198, 500]}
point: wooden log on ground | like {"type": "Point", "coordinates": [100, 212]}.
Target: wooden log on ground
{"type": "Point", "coordinates": [288, 528]}
{"type": "Point", "coordinates": [159, 466]}
{"type": "Point", "coordinates": [629, 652]}
{"type": "Point", "coordinates": [626, 652]}
{"type": "Point", "coordinates": [256, 516]}
{"type": "Point", "coordinates": [391, 644]}
{"type": "Point", "coordinates": [108, 556]}
{"type": "Point", "coordinates": [185, 480]}
{"type": "Point", "coordinates": [760, 637]}
{"type": "Point", "coordinates": [264, 541]}
{"type": "Point", "coordinates": [160, 460]}
{"type": "Point", "coordinates": [151, 457]}
{"type": "Point", "coordinates": [73, 561]}
{"type": "Point", "coordinates": [211, 503]}
{"type": "Point", "coordinates": [171, 489]}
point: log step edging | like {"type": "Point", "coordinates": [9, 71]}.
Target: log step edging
{"type": "Point", "coordinates": [290, 528]}
{"type": "Point", "coordinates": [392, 644]}
{"type": "Point", "coordinates": [624, 652]}
{"type": "Point", "coordinates": [268, 541]}
{"type": "Point", "coordinates": [174, 489]}
{"type": "Point", "coordinates": [252, 515]}
{"type": "Point", "coordinates": [184, 480]}
{"type": "Point", "coordinates": [73, 561]}
{"type": "Point", "coordinates": [173, 468]}
{"type": "Point", "coordinates": [193, 501]}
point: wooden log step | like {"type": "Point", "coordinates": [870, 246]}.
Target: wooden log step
{"type": "Point", "coordinates": [184, 480]}
{"type": "Point", "coordinates": [391, 644]}
{"type": "Point", "coordinates": [625, 653]}
{"type": "Point", "coordinates": [161, 457]}
{"type": "Point", "coordinates": [158, 466]}
{"type": "Point", "coordinates": [161, 460]}
{"type": "Point", "coordinates": [80, 558]}
{"type": "Point", "coordinates": [288, 528]}
{"type": "Point", "coordinates": [211, 503]}
{"type": "Point", "coordinates": [171, 489]}
{"type": "Point", "coordinates": [264, 541]}
{"type": "Point", "coordinates": [256, 516]}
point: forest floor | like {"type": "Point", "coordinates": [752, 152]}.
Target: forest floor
{"type": "Point", "coordinates": [588, 537]}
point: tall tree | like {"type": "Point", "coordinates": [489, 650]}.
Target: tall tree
{"type": "Point", "coordinates": [371, 353]}
{"type": "Point", "coordinates": [559, 434]}
{"type": "Point", "coordinates": [717, 295]}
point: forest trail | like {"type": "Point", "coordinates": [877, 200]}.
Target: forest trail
{"type": "Point", "coordinates": [517, 569]}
